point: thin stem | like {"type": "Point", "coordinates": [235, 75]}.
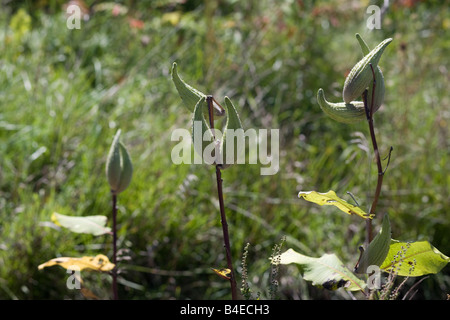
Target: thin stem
{"type": "Point", "coordinates": [226, 237]}
{"type": "Point", "coordinates": [223, 218]}
{"type": "Point", "coordinates": [114, 271]}
{"type": "Point", "coordinates": [369, 114]}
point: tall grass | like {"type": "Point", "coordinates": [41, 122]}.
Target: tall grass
{"type": "Point", "coordinates": [64, 93]}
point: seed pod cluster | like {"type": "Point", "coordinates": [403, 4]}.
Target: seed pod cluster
{"type": "Point", "coordinates": [358, 80]}
{"type": "Point", "coordinates": [203, 136]}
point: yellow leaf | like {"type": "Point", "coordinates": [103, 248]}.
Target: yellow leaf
{"type": "Point", "coordinates": [224, 273]}
{"type": "Point", "coordinates": [98, 263]}
{"type": "Point", "coordinates": [330, 198]}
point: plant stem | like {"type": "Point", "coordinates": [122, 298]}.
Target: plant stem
{"type": "Point", "coordinates": [223, 217]}
{"type": "Point", "coordinates": [114, 271]}
{"type": "Point", "coordinates": [369, 114]}
{"type": "Point", "coordinates": [226, 237]}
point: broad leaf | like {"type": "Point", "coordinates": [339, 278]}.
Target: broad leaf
{"type": "Point", "coordinates": [94, 225]}
{"type": "Point", "coordinates": [327, 271]}
{"type": "Point", "coordinates": [98, 263]}
{"type": "Point", "coordinates": [330, 198]}
{"type": "Point", "coordinates": [377, 250]}
{"type": "Point", "coordinates": [414, 259]}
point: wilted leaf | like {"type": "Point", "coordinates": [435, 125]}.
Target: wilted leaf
{"type": "Point", "coordinates": [224, 273]}
{"type": "Point", "coordinates": [414, 259]}
{"type": "Point", "coordinates": [94, 225]}
{"type": "Point", "coordinates": [378, 249]}
{"type": "Point", "coordinates": [327, 271]}
{"type": "Point", "coordinates": [98, 263]}
{"type": "Point", "coordinates": [330, 198]}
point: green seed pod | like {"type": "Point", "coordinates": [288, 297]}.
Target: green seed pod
{"type": "Point", "coordinates": [188, 94]}
{"type": "Point", "coordinates": [361, 75]}
{"type": "Point", "coordinates": [379, 80]}
{"type": "Point", "coordinates": [238, 144]}
{"type": "Point", "coordinates": [119, 169]}
{"type": "Point", "coordinates": [202, 136]}
{"type": "Point", "coordinates": [342, 112]}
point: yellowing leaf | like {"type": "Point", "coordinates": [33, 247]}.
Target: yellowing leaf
{"type": "Point", "coordinates": [330, 198]}
{"type": "Point", "coordinates": [224, 273]}
{"type": "Point", "coordinates": [98, 263]}
{"type": "Point", "coordinates": [414, 259]}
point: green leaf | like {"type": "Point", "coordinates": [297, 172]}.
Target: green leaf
{"type": "Point", "coordinates": [378, 249]}
{"type": "Point", "coordinates": [414, 259]}
{"type": "Point", "coordinates": [330, 198]}
{"type": "Point", "coordinates": [94, 225]}
{"type": "Point", "coordinates": [327, 271]}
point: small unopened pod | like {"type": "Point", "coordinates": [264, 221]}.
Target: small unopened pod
{"type": "Point", "coordinates": [119, 169]}
{"type": "Point", "coordinates": [360, 77]}
{"type": "Point", "coordinates": [342, 112]}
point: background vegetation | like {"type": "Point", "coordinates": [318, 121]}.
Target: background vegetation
{"type": "Point", "coordinates": [64, 93]}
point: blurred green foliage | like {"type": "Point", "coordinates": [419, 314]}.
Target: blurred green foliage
{"type": "Point", "coordinates": [64, 93]}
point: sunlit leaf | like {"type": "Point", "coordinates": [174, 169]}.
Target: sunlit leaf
{"type": "Point", "coordinates": [94, 225]}
{"type": "Point", "coordinates": [331, 199]}
{"type": "Point", "coordinates": [327, 271]}
{"type": "Point", "coordinates": [98, 263]}
{"type": "Point", "coordinates": [414, 259]}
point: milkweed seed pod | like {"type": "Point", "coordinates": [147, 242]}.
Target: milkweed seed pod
{"type": "Point", "coordinates": [378, 96]}
{"type": "Point", "coordinates": [202, 135]}
{"type": "Point", "coordinates": [190, 95]}
{"type": "Point", "coordinates": [212, 145]}
{"type": "Point", "coordinates": [360, 77]}
{"type": "Point", "coordinates": [342, 112]}
{"type": "Point", "coordinates": [231, 149]}
{"type": "Point", "coordinates": [119, 169]}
